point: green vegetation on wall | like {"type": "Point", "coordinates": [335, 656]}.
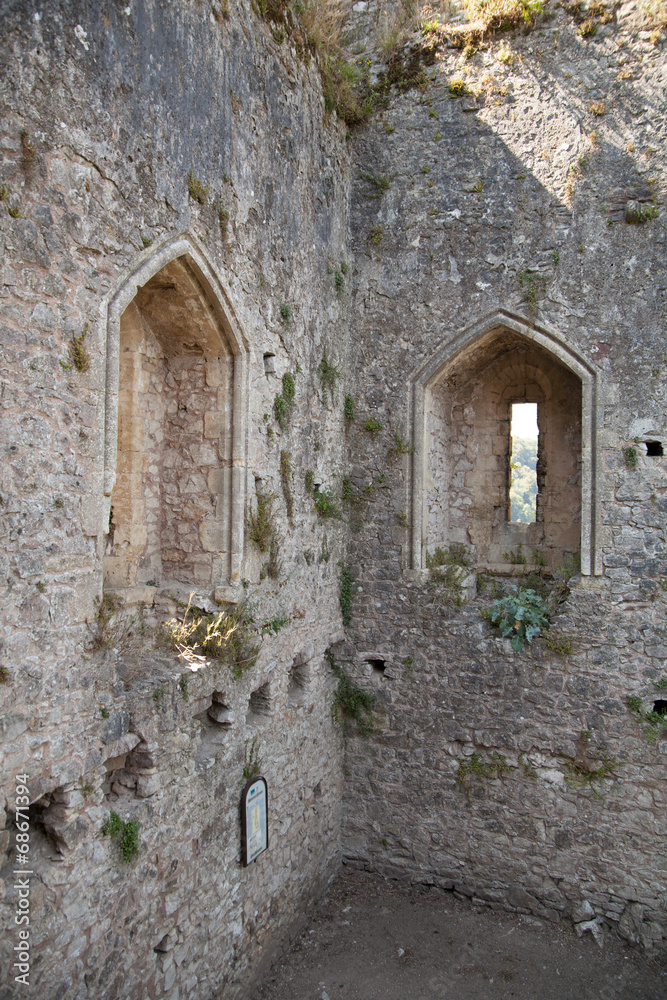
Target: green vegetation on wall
{"type": "Point", "coordinates": [523, 490]}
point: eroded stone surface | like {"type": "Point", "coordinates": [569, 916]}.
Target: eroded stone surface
{"type": "Point", "coordinates": [162, 136]}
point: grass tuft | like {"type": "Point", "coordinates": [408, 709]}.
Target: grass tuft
{"type": "Point", "coordinates": [228, 637]}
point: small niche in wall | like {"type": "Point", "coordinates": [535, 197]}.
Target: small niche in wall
{"type": "Point", "coordinates": [44, 836]}
{"type": "Point", "coordinates": [377, 665]}
{"type": "Point", "coordinates": [216, 719]}
{"type": "Point", "coordinates": [114, 767]}
{"type": "Point", "coordinates": [269, 364]}
{"type": "Point", "coordinates": [131, 775]}
{"type": "Point", "coordinates": [59, 820]}
{"type": "Point", "coordinates": [300, 675]}
{"type": "Point", "coordinates": [660, 707]}
{"type": "Point", "coordinates": [260, 705]}
{"type": "Point", "coordinates": [219, 712]}
{"type": "Point", "coordinates": [654, 449]}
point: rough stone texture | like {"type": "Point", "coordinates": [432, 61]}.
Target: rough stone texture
{"type": "Point", "coordinates": [468, 502]}
{"type": "Point", "coordinates": [121, 105]}
{"type": "Point", "coordinates": [510, 202]}
{"type": "Point", "coordinates": [172, 188]}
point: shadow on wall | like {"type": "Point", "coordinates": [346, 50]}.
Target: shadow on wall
{"type": "Point", "coordinates": [479, 221]}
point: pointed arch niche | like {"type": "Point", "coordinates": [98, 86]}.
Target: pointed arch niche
{"type": "Point", "coordinates": [461, 406]}
{"type": "Point", "coordinates": [174, 430]}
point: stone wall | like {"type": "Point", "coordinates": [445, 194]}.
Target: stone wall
{"type": "Point", "coordinates": [521, 780]}
{"type": "Point", "coordinates": [468, 454]}
{"type": "Point", "coordinates": [175, 215]}
{"type": "Point", "coordinates": [156, 146]}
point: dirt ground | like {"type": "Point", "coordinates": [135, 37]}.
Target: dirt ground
{"type": "Point", "coordinates": [372, 939]}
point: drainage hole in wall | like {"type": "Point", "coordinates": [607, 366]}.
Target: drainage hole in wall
{"type": "Point", "coordinates": [377, 665]}
{"type": "Point", "coordinates": [660, 706]}
{"type": "Point", "coordinates": [654, 448]}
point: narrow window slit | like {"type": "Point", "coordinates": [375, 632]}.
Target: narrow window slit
{"type": "Point", "coordinates": [523, 463]}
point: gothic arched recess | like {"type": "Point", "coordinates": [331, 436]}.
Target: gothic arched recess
{"type": "Point", "coordinates": [461, 400]}
{"type": "Point", "coordinates": [174, 429]}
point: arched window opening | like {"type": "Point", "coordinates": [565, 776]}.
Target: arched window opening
{"type": "Point", "coordinates": [472, 409]}
{"type": "Point", "coordinates": [171, 505]}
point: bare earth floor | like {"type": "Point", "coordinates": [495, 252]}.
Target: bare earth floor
{"type": "Point", "coordinates": [372, 939]}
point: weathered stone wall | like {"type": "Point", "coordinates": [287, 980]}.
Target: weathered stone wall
{"type": "Point", "coordinates": [110, 113]}
{"type": "Point", "coordinates": [467, 428]}
{"type": "Point", "coordinates": [146, 142]}
{"type": "Point", "coordinates": [510, 207]}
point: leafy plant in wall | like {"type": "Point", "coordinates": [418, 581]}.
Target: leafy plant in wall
{"type": "Point", "coordinates": [655, 720]}
{"type": "Point", "coordinates": [446, 570]}
{"type": "Point", "coordinates": [533, 286]}
{"type": "Point", "coordinates": [345, 584]}
{"type": "Point", "coordinates": [373, 427]}
{"type": "Point", "coordinates": [630, 457]}
{"type": "Point", "coordinates": [125, 835]}
{"type": "Point", "coordinates": [274, 564]}
{"type": "Point", "coordinates": [328, 375]}
{"type": "Point", "coordinates": [284, 402]}
{"type": "Point", "coordinates": [285, 314]}
{"type": "Point", "coordinates": [589, 765]}
{"type": "Point", "coordinates": [275, 624]}
{"type": "Point", "coordinates": [379, 182]}
{"type": "Point", "coordinates": [351, 700]}
{"type": "Point", "coordinates": [286, 481]}
{"type": "Point", "coordinates": [79, 358]}
{"type": "Point", "coordinates": [520, 616]}
{"type": "Point", "coordinates": [401, 446]}
{"type": "Point", "coordinates": [558, 642]}
{"type": "Point", "coordinates": [495, 767]}
{"type": "Point", "coordinates": [197, 190]}
{"type": "Point", "coordinates": [326, 505]}
{"type": "Point", "coordinates": [259, 522]}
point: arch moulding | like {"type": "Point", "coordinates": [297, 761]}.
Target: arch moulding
{"type": "Point", "coordinates": [443, 358]}
{"type": "Point", "coordinates": [217, 296]}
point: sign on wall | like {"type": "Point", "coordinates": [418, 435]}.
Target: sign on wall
{"type": "Point", "coordinates": [254, 821]}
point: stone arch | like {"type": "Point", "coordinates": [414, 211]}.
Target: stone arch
{"type": "Point", "coordinates": [460, 400]}
{"type": "Point", "coordinates": [175, 429]}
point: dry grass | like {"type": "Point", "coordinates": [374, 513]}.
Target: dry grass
{"type": "Point", "coordinates": [485, 17]}
{"type": "Point", "coordinates": [656, 13]}
{"type": "Point", "coordinates": [227, 636]}
{"type": "Point", "coordinates": [497, 14]}
{"type": "Point", "coordinates": [396, 27]}
{"type": "Point", "coordinates": [124, 630]}
{"type": "Point", "coordinates": [317, 29]}
{"type": "Point", "coordinates": [323, 22]}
